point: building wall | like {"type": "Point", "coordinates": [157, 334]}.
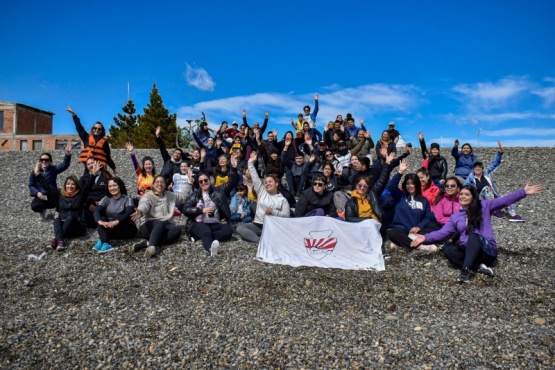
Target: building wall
{"type": "Point", "coordinates": [31, 122]}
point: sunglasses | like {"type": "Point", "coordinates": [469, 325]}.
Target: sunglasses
{"type": "Point", "coordinates": [362, 186]}
{"type": "Point", "coordinates": [203, 181]}
{"type": "Point", "coordinates": [329, 155]}
{"type": "Point", "coordinates": [97, 128]}
{"type": "Point", "coordinates": [45, 159]}
{"type": "Point", "coordinates": [320, 184]}
{"type": "Point", "coordinates": [450, 185]}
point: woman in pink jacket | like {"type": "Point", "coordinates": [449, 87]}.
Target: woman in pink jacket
{"type": "Point", "coordinates": [447, 201]}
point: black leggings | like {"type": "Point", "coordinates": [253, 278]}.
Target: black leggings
{"type": "Point", "coordinates": [38, 205]}
{"type": "Point", "coordinates": [469, 256]}
{"type": "Point", "coordinates": [159, 233]}
{"type": "Point", "coordinates": [125, 230]}
{"type": "Point", "coordinates": [401, 237]}
{"type": "Point", "coordinates": [210, 232]}
{"type": "Point", "coordinates": [70, 227]}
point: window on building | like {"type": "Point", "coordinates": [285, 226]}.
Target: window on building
{"type": "Point", "coordinates": [1, 120]}
{"type": "Point", "coordinates": [37, 144]}
{"type": "Point", "coordinates": [23, 145]}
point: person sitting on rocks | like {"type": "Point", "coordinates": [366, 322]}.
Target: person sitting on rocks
{"type": "Point", "coordinates": [429, 188]}
{"type": "Point", "coordinates": [412, 210]}
{"type": "Point", "coordinates": [316, 200]}
{"type": "Point", "coordinates": [145, 172]}
{"type": "Point", "coordinates": [171, 163]}
{"type": "Point", "coordinates": [447, 201]}
{"type": "Point", "coordinates": [113, 216]}
{"type": "Point", "coordinates": [240, 205]}
{"type": "Point", "coordinates": [155, 214]}
{"type": "Point", "coordinates": [69, 221]}
{"type": "Point", "coordinates": [433, 161]}
{"type": "Point", "coordinates": [42, 199]}
{"type": "Point", "coordinates": [269, 202]}
{"type": "Point", "coordinates": [464, 160]}
{"type": "Point", "coordinates": [477, 247]}
{"type": "Point", "coordinates": [482, 180]}
{"type": "Point", "coordinates": [206, 207]}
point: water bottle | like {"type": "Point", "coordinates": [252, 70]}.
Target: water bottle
{"type": "Point", "coordinates": [200, 205]}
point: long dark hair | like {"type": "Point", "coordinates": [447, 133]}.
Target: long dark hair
{"type": "Point", "coordinates": [121, 184]}
{"type": "Point", "coordinates": [474, 211]}
{"type": "Point", "coordinates": [417, 185]}
{"type": "Point", "coordinates": [147, 158]}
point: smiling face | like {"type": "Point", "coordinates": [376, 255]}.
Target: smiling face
{"type": "Point", "coordinates": [159, 184]}
{"type": "Point", "coordinates": [274, 156]}
{"type": "Point", "coordinates": [385, 136]}
{"type": "Point", "coordinates": [90, 164]}
{"type": "Point", "coordinates": [195, 154]}
{"type": "Point", "coordinates": [70, 186]}
{"type": "Point", "coordinates": [271, 185]}
{"type": "Point", "coordinates": [148, 166]}
{"type": "Point", "coordinates": [222, 161]}
{"type": "Point", "coordinates": [411, 189]}
{"type": "Point", "coordinates": [435, 152]}
{"type": "Point", "coordinates": [424, 179]}
{"type": "Point", "coordinates": [211, 141]}
{"type": "Point", "coordinates": [176, 155]}
{"type": "Point", "coordinates": [299, 160]}
{"type": "Point", "coordinates": [466, 149]}
{"type": "Point", "coordinates": [465, 198]}
{"type": "Point", "coordinates": [183, 168]}
{"type": "Point", "coordinates": [478, 171]}
{"type": "Point", "coordinates": [355, 163]}
{"type": "Point", "coordinates": [113, 189]}
{"type": "Point", "coordinates": [451, 188]}
{"type": "Point", "coordinates": [204, 182]}
{"type": "Point", "coordinates": [362, 187]}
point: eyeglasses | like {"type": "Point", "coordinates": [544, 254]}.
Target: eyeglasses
{"type": "Point", "coordinates": [203, 181]}
{"type": "Point", "coordinates": [320, 184]}
{"type": "Point", "coordinates": [362, 186]}
{"type": "Point", "coordinates": [45, 159]}
{"type": "Point", "coordinates": [450, 185]}
{"type": "Point", "coordinates": [329, 155]}
{"type": "Point", "coordinates": [97, 128]}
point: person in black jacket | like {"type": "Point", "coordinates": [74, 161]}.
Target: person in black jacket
{"type": "Point", "coordinates": [171, 164]}
{"type": "Point", "coordinates": [364, 202]}
{"type": "Point", "coordinates": [98, 191]}
{"type": "Point", "coordinates": [433, 161]}
{"type": "Point", "coordinates": [316, 200]}
{"type": "Point", "coordinates": [207, 206]}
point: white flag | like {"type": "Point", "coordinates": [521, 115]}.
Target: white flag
{"type": "Point", "coordinates": [321, 242]}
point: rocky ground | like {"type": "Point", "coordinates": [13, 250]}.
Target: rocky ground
{"type": "Point", "coordinates": [185, 310]}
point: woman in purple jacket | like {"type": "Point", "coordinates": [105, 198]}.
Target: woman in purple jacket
{"type": "Point", "coordinates": [477, 248]}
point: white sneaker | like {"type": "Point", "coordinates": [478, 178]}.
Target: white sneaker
{"type": "Point", "coordinates": [150, 251]}
{"type": "Point", "coordinates": [214, 248]}
{"type": "Point", "coordinates": [432, 248]}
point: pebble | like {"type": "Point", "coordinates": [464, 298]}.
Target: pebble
{"type": "Point", "coordinates": [84, 310]}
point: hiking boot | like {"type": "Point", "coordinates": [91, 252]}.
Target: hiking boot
{"type": "Point", "coordinates": [214, 248]}
{"type": "Point", "coordinates": [483, 269]}
{"type": "Point", "coordinates": [97, 246]}
{"type": "Point", "coordinates": [61, 246]}
{"type": "Point", "coordinates": [137, 247]}
{"type": "Point", "coordinates": [150, 251]}
{"type": "Point", "coordinates": [516, 218]}
{"type": "Point", "coordinates": [464, 277]}
{"type": "Point", "coordinates": [106, 247]}
{"type": "Point", "coordinates": [499, 214]}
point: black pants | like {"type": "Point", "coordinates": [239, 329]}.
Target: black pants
{"type": "Point", "coordinates": [159, 233]}
{"type": "Point", "coordinates": [70, 227]}
{"type": "Point", "coordinates": [210, 232]}
{"type": "Point", "coordinates": [125, 230]}
{"type": "Point", "coordinates": [401, 237]}
{"type": "Point", "coordinates": [469, 256]}
{"type": "Point", "coordinates": [38, 205]}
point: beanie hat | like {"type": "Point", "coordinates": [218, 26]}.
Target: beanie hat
{"type": "Point", "coordinates": [434, 145]}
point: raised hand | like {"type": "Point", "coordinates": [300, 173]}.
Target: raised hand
{"type": "Point", "coordinates": [202, 153]}
{"type": "Point", "coordinates": [68, 109]}
{"type": "Point", "coordinates": [316, 97]}
{"type": "Point", "coordinates": [456, 142]}
{"type": "Point", "coordinates": [233, 160]}
{"type": "Point", "coordinates": [404, 165]}
{"type": "Point", "coordinates": [288, 141]}
{"type": "Point", "coordinates": [244, 112]}
{"type": "Point", "coordinates": [129, 146]}
{"type": "Point", "coordinates": [69, 145]}
{"type": "Point", "coordinates": [96, 168]}
{"type": "Point", "coordinates": [266, 113]}
{"type": "Point", "coordinates": [390, 157]}
{"type": "Point", "coordinates": [312, 158]}
{"type": "Point", "coordinates": [362, 121]}
{"type": "Point", "coordinates": [367, 134]}
{"type": "Point", "coordinates": [420, 136]}
{"type": "Point", "coordinates": [158, 131]}
{"type": "Point", "coordinates": [253, 157]}
{"type": "Point", "coordinates": [383, 150]}
{"type": "Point", "coordinates": [500, 146]}
{"type": "Point", "coordinates": [36, 170]}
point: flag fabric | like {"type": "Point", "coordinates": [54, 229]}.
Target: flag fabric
{"type": "Point", "coordinates": [321, 242]}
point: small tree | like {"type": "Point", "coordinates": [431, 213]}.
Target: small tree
{"type": "Point", "coordinates": [155, 114]}
{"type": "Point", "coordinates": [125, 125]}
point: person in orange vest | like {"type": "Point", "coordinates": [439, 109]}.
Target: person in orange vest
{"type": "Point", "coordinates": [95, 143]}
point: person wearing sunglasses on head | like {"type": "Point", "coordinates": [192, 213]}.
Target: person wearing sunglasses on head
{"type": "Point", "coordinates": [316, 200]}
{"type": "Point", "coordinates": [42, 198]}
{"type": "Point", "coordinates": [95, 143]}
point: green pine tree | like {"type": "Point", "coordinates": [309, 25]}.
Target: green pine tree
{"type": "Point", "coordinates": [155, 114]}
{"type": "Point", "coordinates": [125, 125]}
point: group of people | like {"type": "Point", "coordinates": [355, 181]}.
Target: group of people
{"type": "Point", "coordinates": [234, 177]}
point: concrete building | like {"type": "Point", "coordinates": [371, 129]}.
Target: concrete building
{"type": "Point", "coordinates": [26, 128]}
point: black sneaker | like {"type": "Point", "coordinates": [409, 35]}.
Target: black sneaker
{"type": "Point", "coordinates": [464, 277]}
{"type": "Point", "coordinates": [483, 269]}
{"type": "Point", "coordinates": [140, 246]}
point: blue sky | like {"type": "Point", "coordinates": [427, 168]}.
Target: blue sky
{"type": "Point", "coordinates": [445, 68]}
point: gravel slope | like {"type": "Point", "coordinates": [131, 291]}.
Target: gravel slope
{"type": "Point", "coordinates": [185, 310]}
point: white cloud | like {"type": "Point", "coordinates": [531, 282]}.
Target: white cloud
{"type": "Point", "coordinates": [548, 95]}
{"type": "Point", "coordinates": [520, 132]}
{"type": "Point", "coordinates": [199, 78]}
{"type": "Point", "coordinates": [489, 95]}
{"type": "Point", "coordinates": [363, 101]}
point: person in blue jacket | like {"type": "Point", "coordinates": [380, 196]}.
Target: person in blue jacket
{"type": "Point", "coordinates": [464, 160]}
{"type": "Point", "coordinates": [43, 199]}
{"type": "Point", "coordinates": [412, 211]}
{"type": "Point", "coordinates": [311, 117]}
